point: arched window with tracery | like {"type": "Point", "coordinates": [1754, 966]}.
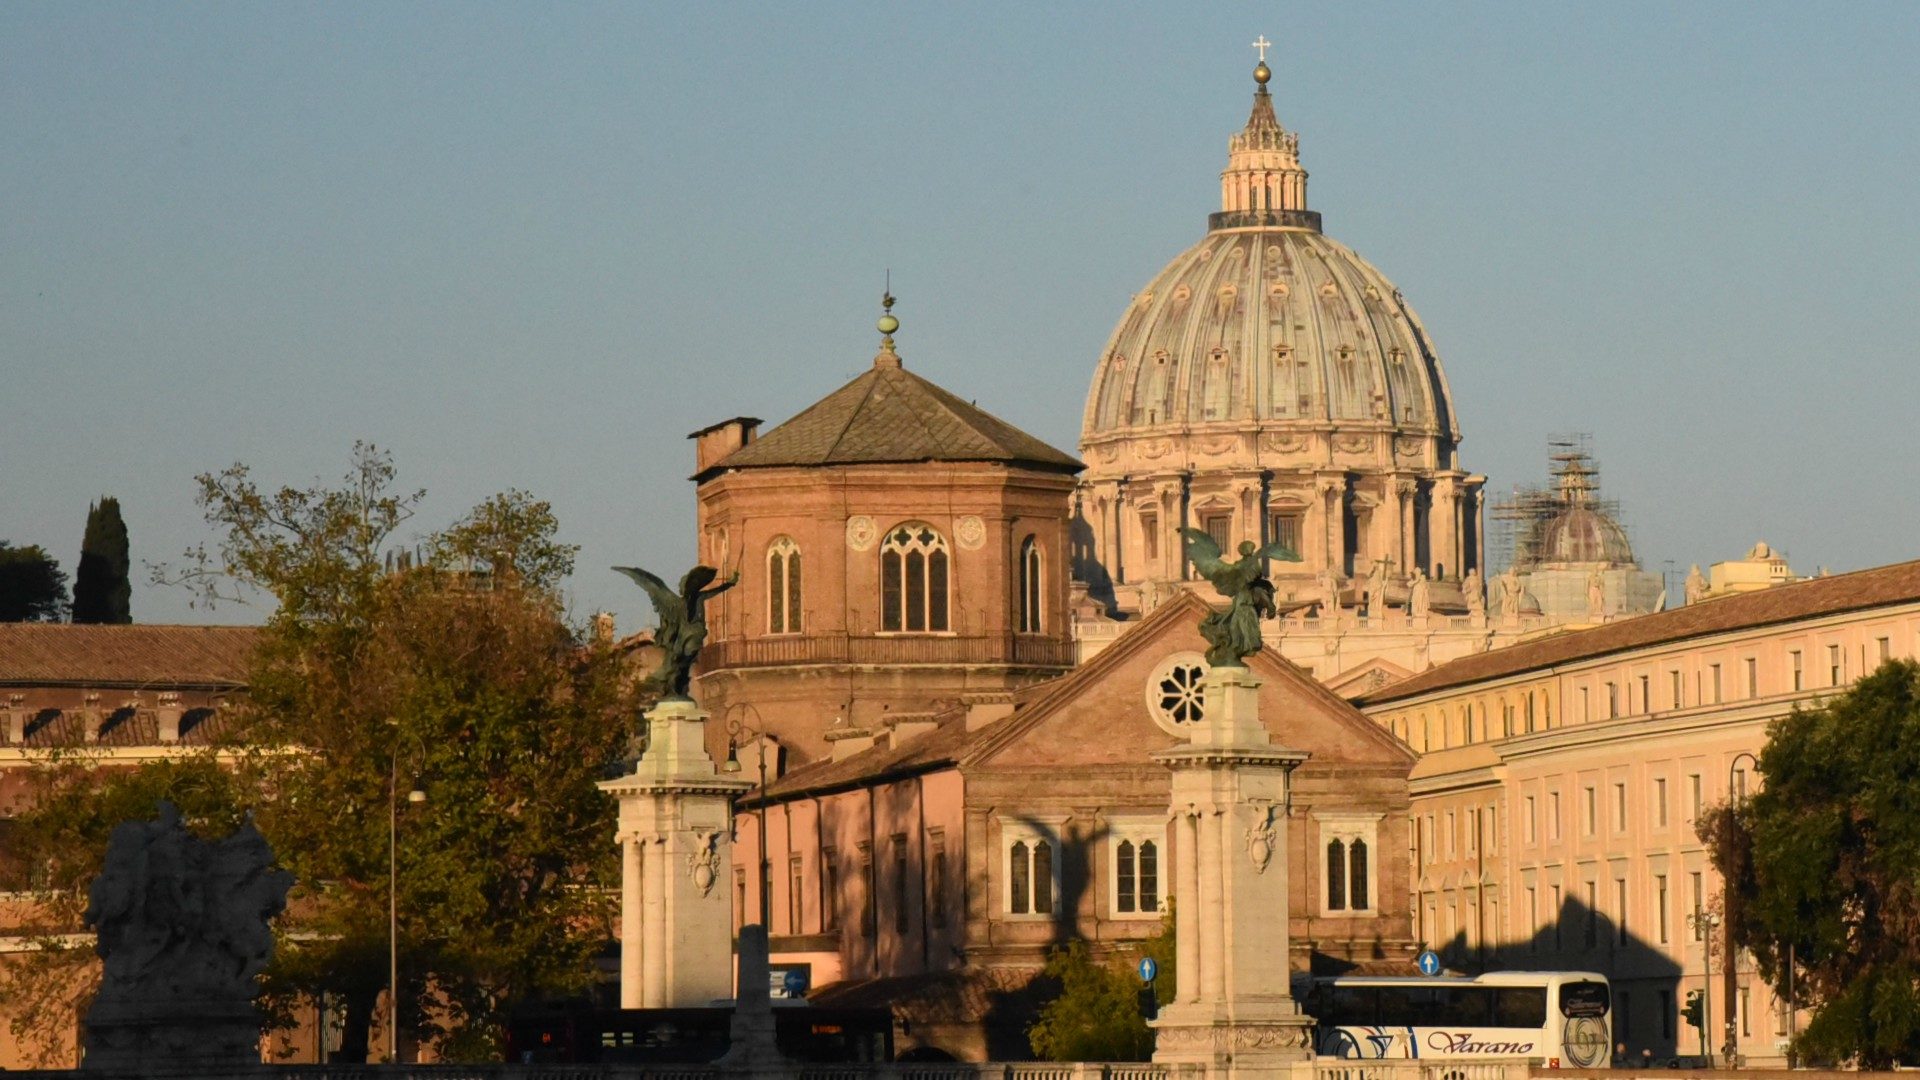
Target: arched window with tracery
{"type": "Point", "coordinates": [1336, 876]}
{"type": "Point", "coordinates": [783, 586]}
{"type": "Point", "coordinates": [1357, 874]}
{"type": "Point", "coordinates": [913, 580]}
{"type": "Point", "coordinates": [1030, 584]}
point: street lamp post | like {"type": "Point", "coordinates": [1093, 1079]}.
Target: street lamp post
{"type": "Point", "coordinates": [1730, 977]}
{"type": "Point", "coordinates": [415, 796]}
{"type": "Point", "coordinates": [1703, 923]}
{"type": "Point", "coordinates": [735, 729]}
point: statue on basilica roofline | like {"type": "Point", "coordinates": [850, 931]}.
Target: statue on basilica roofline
{"type": "Point", "coordinates": [683, 624]}
{"type": "Point", "coordinates": [1235, 632]}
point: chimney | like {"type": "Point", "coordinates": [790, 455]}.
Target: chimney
{"type": "Point", "coordinates": [168, 713]}
{"type": "Point", "coordinates": [984, 709]}
{"type": "Point", "coordinates": [16, 718]}
{"type": "Point", "coordinates": [910, 726]}
{"type": "Point", "coordinates": [716, 441]}
{"type": "Point", "coordinates": [90, 716]}
{"type": "Point", "coordinates": [848, 741]}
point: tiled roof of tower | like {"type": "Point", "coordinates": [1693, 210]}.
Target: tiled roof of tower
{"type": "Point", "coordinates": [137, 655]}
{"type": "Point", "coordinates": [890, 415]}
{"type": "Point", "coordinates": [1882, 585]}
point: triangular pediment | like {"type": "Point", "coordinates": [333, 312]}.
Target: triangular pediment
{"type": "Point", "coordinates": [1376, 674]}
{"type": "Point", "coordinates": [1111, 711]}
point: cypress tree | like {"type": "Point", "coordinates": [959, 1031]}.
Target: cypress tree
{"type": "Point", "coordinates": [102, 592]}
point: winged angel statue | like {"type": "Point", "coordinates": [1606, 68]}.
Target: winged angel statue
{"type": "Point", "coordinates": [683, 624]}
{"type": "Point", "coordinates": [1235, 632]}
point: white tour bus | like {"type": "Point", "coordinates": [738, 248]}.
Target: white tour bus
{"type": "Point", "coordinates": [1556, 1018]}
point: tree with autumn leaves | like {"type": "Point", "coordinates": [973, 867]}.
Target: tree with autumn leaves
{"type": "Point", "coordinates": [453, 671]}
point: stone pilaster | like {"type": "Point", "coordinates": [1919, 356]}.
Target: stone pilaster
{"type": "Point", "coordinates": [1234, 1016]}
{"type": "Point", "coordinates": [676, 910]}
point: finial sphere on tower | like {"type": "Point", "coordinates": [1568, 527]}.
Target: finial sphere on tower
{"type": "Point", "coordinates": [1262, 73]}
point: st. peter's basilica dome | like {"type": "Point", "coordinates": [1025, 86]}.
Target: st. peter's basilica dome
{"type": "Point", "coordinates": [1271, 385]}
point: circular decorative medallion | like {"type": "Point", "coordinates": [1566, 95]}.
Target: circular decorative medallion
{"type": "Point", "coordinates": [861, 532]}
{"type": "Point", "coordinates": [970, 531]}
{"type": "Point", "coordinates": [1175, 696]}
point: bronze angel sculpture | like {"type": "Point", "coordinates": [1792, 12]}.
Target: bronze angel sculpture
{"type": "Point", "coordinates": [1235, 632]}
{"type": "Point", "coordinates": [683, 624]}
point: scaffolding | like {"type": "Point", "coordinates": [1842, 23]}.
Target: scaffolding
{"type": "Point", "coordinates": [1520, 519]}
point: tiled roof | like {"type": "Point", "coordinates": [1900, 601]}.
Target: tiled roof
{"type": "Point", "coordinates": [132, 656]}
{"type": "Point", "coordinates": [1878, 587]}
{"type": "Point", "coordinates": [890, 415]}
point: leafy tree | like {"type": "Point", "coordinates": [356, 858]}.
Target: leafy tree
{"type": "Point", "coordinates": [459, 676]}
{"type": "Point", "coordinates": [1821, 866]}
{"type": "Point", "coordinates": [102, 593]}
{"type": "Point", "coordinates": [33, 588]}
{"type": "Point", "coordinates": [1097, 1015]}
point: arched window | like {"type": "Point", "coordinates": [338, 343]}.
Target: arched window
{"type": "Point", "coordinates": [913, 580]}
{"type": "Point", "coordinates": [1357, 877]}
{"type": "Point", "coordinates": [783, 587]}
{"type": "Point", "coordinates": [1030, 586]}
{"type": "Point", "coordinates": [1124, 893]}
{"type": "Point", "coordinates": [1336, 876]}
{"type": "Point", "coordinates": [1019, 878]}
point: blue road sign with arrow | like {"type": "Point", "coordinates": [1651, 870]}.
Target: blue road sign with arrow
{"type": "Point", "coordinates": [1429, 962]}
{"type": "Point", "coordinates": [1148, 969]}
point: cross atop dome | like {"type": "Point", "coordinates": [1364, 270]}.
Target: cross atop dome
{"type": "Point", "coordinates": [1261, 43]}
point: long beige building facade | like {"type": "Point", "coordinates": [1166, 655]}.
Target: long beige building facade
{"type": "Point", "coordinates": [1559, 782]}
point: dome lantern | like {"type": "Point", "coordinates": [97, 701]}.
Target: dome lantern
{"type": "Point", "coordinates": [1263, 183]}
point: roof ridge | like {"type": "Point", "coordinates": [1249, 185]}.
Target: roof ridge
{"type": "Point", "coordinates": [853, 414]}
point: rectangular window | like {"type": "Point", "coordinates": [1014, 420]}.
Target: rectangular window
{"type": "Point", "coordinates": [1661, 908]}
{"type": "Point", "coordinates": [796, 892]}
{"type": "Point", "coordinates": [1667, 1016]}
{"type": "Point", "coordinates": [1753, 677]}
{"type": "Point", "coordinates": [900, 895]}
{"type": "Point", "coordinates": [1426, 832]}
{"type": "Point", "coordinates": [1613, 701]}
{"type": "Point", "coordinates": [829, 890]}
{"type": "Point", "coordinates": [1452, 834]}
{"type": "Point", "coordinates": [1715, 669]}
{"type": "Point", "coordinates": [1660, 801]}
{"type": "Point", "coordinates": [1697, 800]}
{"type": "Point", "coordinates": [1553, 815]}
{"type": "Point", "coordinates": [1150, 536]}
{"type": "Point", "coordinates": [1589, 812]}
{"type": "Point", "coordinates": [1886, 649]}
{"type": "Point", "coordinates": [937, 877]}
{"type": "Point", "coordinates": [1220, 527]}
{"type": "Point", "coordinates": [1284, 529]}
{"type": "Point", "coordinates": [1586, 710]}
{"type": "Point", "coordinates": [1592, 924]}
{"type": "Point", "coordinates": [1619, 808]}
{"type": "Point", "coordinates": [1529, 714]}
{"type": "Point", "coordinates": [1556, 916]}
{"type": "Point", "coordinates": [1739, 784]}
{"type": "Point", "coordinates": [1646, 693]}
{"type": "Point", "coordinates": [1527, 823]}
{"type": "Point", "coordinates": [1473, 831]}
{"type": "Point", "coordinates": [739, 898]}
{"type": "Point", "coordinates": [1746, 1015]}
{"type": "Point", "coordinates": [1675, 675]}
{"type": "Point", "coordinates": [1619, 911]}
{"type": "Point", "coordinates": [869, 900]}
{"type": "Point", "coordinates": [1794, 662]}
{"type": "Point", "coordinates": [1836, 672]}
{"type": "Point", "coordinates": [1699, 899]}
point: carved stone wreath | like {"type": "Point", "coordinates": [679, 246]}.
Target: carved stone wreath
{"type": "Point", "coordinates": [970, 531]}
{"type": "Point", "coordinates": [861, 532]}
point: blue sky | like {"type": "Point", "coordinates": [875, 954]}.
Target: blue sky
{"type": "Point", "coordinates": [535, 245]}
